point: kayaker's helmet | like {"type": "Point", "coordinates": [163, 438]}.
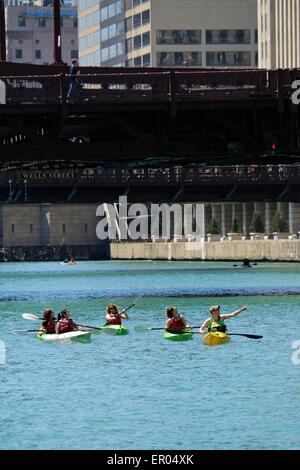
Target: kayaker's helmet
{"type": "Point", "coordinates": [213, 308]}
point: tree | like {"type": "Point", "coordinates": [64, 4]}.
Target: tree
{"type": "Point", "coordinates": [213, 227]}
{"type": "Point", "coordinates": [235, 227]}
{"type": "Point", "coordinates": [257, 224]}
{"type": "Point", "coordinates": [279, 224]}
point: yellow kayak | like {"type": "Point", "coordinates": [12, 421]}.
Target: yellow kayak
{"type": "Point", "coordinates": [215, 337]}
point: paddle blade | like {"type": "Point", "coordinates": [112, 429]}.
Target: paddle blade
{"type": "Point", "coordinates": [246, 335]}
{"type": "Point", "coordinates": [141, 329]}
{"type": "Point", "coordinates": [20, 332]}
{"type": "Point", "coordinates": [30, 316]}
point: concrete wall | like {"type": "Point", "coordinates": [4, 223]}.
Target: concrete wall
{"type": "Point", "coordinates": [48, 224]}
{"type": "Point", "coordinates": [280, 250]}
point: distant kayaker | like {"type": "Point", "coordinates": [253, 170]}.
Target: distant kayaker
{"type": "Point", "coordinates": [48, 323]}
{"type": "Point", "coordinates": [114, 316]}
{"type": "Point", "coordinates": [216, 321]}
{"type": "Point", "coordinates": [175, 321]}
{"type": "Point", "coordinates": [65, 322]}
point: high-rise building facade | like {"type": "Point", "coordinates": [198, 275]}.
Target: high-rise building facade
{"type": "Point", "coordinates": [179, 33]}
{"type": "Point", "coordinates": [279, 33]}
{"type": "Point", "coordinates": [29, 34]}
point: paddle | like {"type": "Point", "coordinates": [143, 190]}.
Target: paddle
{"type": "Point", "coordinates": [31, 316]}
{"type": "Point", "coordinates": [144, 329]}
{"type": "Point", "coordinates": [24, 331]}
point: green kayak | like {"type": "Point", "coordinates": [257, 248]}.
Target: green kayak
{"type": "Point", "coordinates": [117, 329]}
{"type": "Point", "coordinates": [184, 335]}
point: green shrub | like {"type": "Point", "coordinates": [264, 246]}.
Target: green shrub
{"type": "Point", "coordinates": [279, 224]}
{"type": "Point", "coordinates": [257, 224]}
{"type": "Point", "coordinates": [213, 227]}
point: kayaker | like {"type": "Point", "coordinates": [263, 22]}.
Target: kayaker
{"type": "Point", "coordinates": [114, 316]}
{"type": "Point", "coordinates": [175, 321]}
{"type": "Point", "coordinates": [48, 323]}
{"type": "Point", "coordinates": [65, 322]}
{"type": "Point", "coordinates": [216, 321]}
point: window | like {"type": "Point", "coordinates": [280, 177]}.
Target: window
{"type": "Point", "coordinates": [31, 228]}
{"type": "Point", "coordinates": [42, 22]}
{"type": "Point", "coordinates": [228, 36]}
{"type": "Point", "coordinates": [13, 229]}
{"type": "Point", "coordinates": [146, 60]}
{"type": "Point", "coordinates": [74, 54]}
{"type": "Point", "coordinates": [146, 16]}
{"type": "Point", "coordinates": [21, 21]}
{"type": "Point", "coordinates": [137, 21]}
{"type": "Point", "coordinates": [19, 54]}
{"type": "Point", "coordinates": [222, 58]}
{"type": "Point", "coordinates": [128, 24]}
{"type": "Point", "coordinates": [61, 22]}
{"type": "Point", "coordinates": [179, 59]}
{"type": "Point", "coordinates": [137, 42]}
{"type": "Point", "coordinates": [75, 23]}
{"type": "Point", "coordinates": [146, 39]}
{"type": "Point", "coordinates": [86, 228]}
{"type": "Point", "coordinates": [63, 228]}
{"type": "Point", "coordinates": [135, 3]}
{"type": "Point", "coordinates": [36, 41]}
{"type": "Point", "coordinates": [137, 61]}
{"type": "Point", "coordinates": [37, 54]}
{"type": "Point", "coordinates": [174, 36]}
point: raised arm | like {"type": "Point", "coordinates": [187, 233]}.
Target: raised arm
{"type": "Point", "coordinates": [205, 325]}
{"type": "Point", "coordinates": [124, 315]}
{"type": "Point", "coordinates": [235, 313]}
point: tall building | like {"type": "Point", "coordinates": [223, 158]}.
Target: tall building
{"type": "Point", "coordinates": [181, 33]}
{"type": "Point", "coordinates": [279, 33]}
{"type": "Point", "coordinates": [29, 34]}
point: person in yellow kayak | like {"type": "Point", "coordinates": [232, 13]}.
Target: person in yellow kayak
{"type": "Point", "coordinates": [175, 321]}
{"type": "Point", "coordinates": [216, 321]}
{"type": "Point", "coordinates": [114, 316]}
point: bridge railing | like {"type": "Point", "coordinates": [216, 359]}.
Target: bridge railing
{"type": "Point", "coordinates": [164, 86]}
{"type": "Point", "coordinates": [39, 89]}
{"type": "Point", "coordinates": [223, 83]}
{"type": "Point", "coordinates": [176, 175]}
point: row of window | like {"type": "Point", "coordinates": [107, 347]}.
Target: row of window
{"type": "Point", "coordinates": [141, 61]}
{"type": "Point", "coordinates": [84, 4]}
{"type": "Point", "coordinates": [134, 3]}
{"type": "Point", "coordinates": [38, 54]}
{"type": "Point", "coordinates": [112, 30]}
{"type": "Point", "coordinates": [194, 58]}
{"type": "Point", "coordinates": [115, 30]}
{"type": "Point", "coordinates": [42, 21]}
{"type": "Point", "coordinates": [112, 10]}
{"type": "Point", "coordinates": [137, 42]}
{"type": "Point", "coordinates": [213, 36]}
{"type": "Point", "coordinates": [115, 50]}
{"type": "Point", "coordinates": [89, 20]}
{"type": "Point", "coordinates": [63, 227]}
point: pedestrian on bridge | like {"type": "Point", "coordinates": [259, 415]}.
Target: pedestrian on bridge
{"type": "Point", "coordinates": [75, 86]}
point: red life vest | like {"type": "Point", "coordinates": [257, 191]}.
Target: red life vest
{"type": "Point", "coordinates": [114, 320]}
{"type": "Point", "coordinates": [50, 327]}
{"type": "Point", "coordinates": [173, 323]}
{"type": "Point", "coordinates": [66, 325]}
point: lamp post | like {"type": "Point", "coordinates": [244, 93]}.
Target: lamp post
{"type": "Point", "coordinates": [25, 190]}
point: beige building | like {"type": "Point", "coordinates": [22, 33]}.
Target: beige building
{"type": "Point", "coordinates": [189, 33]}
{"type": "Point", "coordinates": [29, 35]}
{"type": "Point", "coordinates": [279, 34]}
